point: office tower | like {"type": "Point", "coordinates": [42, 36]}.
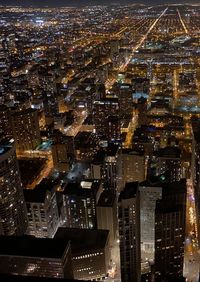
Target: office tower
{"type": "Point", "coordinates": [26, 132]}
{"type": "Point", "coordinates": [125, 96]}
{"type": "Point", "coordinates": [102, 110]}
{"type": "Point", "coordinates": [13, 219]}
{"type": "Point", "coordinates": [40, 257]}
{"type": "Point", "coordinates": [79, 204]}
{"type": "Point", "coordinates": [42, 209]}
{"type": "Point", "coordinates": [148, 194]}
{"type": "Point", "coordinates": [195, 168]}
{"type": "Point", "coordinates": [110, 172]}
{"type": "Point", "coordinates": [131, 166]}
{"type": "Point", "coordinates": [129, 232]}
{"type": "Point", "coordinates": [170, 223]}
{"type": "Point", "coordinates": [5, 124]}
{"type": "Point", "coordinates": [169, 161]}
{"type": "Point", "coordinates": [90, 252]}
{"type": "Point", "coordinates": [107, 214]}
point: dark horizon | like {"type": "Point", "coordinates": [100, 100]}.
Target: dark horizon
{"type": "Point", "coordinates": [78, 3]}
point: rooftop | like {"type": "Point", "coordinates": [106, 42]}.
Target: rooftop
{"type": "Point", "coordinates": [83, 239]}
{"type": "Point", "coordinates": [173, 152]}
{"type": "Point", "coordinates": [32, 247]}
{"type": "Point", "coordinates": [19, 278]}
{"type": "Point", "coordinates": [80, 190]}
{"type": "Point", "coordinates": [38, 194]}
{"type": "Point", "coordinates": [107, 199]}
{"type": "Point", "coordinates": [129, 191]}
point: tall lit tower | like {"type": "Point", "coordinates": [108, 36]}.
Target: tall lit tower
{"type": "Point", "coordinates": [12, 206]}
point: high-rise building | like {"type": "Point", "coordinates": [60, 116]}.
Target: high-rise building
{"type": "Point", "coordinates": [102, 111]}
{"type": "Point", "coordinates": [131, 166]}
{"type": "Point", "coordinates": [25, 127]}
{"type": "Point", "coordinates": [129, 232]}
{"type": "Point", "coordinates": [107, 214]}
{"type": "Point", "coordinates": [169, 161]}
{"type": "Point", "coordinates": [149, 194]}
{"type": "Point", "coordinates": [13, 219]}
{"type": "Point", "coordinates": [42, 210]}
{"type": "Point", "coordinates": [125, 96]}
{"type": "Point", "coordinates": [79, 204]}
{"type": "Point", "coordinates": [110, 172]}
{"type": "Point", "coordinates": [170, 221]}
{"type": "Point", "coordinates": [90, 252]}
{"type": "Point", "coordinates": [38, 257]}
{"type": "Point", "coordinates": [63, 153]}
{"type": "Point", "coordinates": [97, 165]}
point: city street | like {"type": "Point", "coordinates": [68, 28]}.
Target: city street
{"type": "Point", "coordinates": [192, 257]}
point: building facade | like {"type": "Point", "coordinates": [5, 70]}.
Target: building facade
{"type": "Point", "coordinates": [13, 219]}
{"type": "Point", "coordinates": [129, 233]}
{"type": "Point", "coordinates": [25, 127]}
{"type": "Point", "coordinates": [170, 221]}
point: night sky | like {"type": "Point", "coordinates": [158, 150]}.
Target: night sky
{"type": "Point", "coordinates": [57, 3]}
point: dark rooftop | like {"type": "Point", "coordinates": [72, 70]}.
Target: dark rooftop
{"type": "Point", "coordinates": [169, 152]}
{"type": "Point", "coordinates": [170, 202]}
{"type": "Point", "coordinates": [32, 247]}
{"type": "Point", "coordinates": [129, 191]}
{"type": "Point", "coordinates": [163, 207]}
{"type": "Point", "coordinates": [30, 169]}
{"type": "Point", "coordinates": [83, 239]}
{"type": "Point", "coordinates": [132, 152]}
{"type": "Point", "coordinates": [76, 188]}
{"type": "Point", "coordinates": [19, 278]}
{"type": "Point", "coordinates": [38, 194]}
{"type": "Point", "coordinates": [107, 199]}
{"type": "Point", "coordinates": [112, 150]}
{"type": "Point", "coordinates": [24, 112]}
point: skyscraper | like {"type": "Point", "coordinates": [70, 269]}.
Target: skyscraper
{"type": "Point", "coordinates": [169, 160]}
{"type": "Point", "coordinates": [129, 232]}
{"type": "Point", "coordinates": [149, 194]}
{"type": "Point", "coordinates": [107, 213]}
{"type": "Point", "coordinates": [131, 166]}
{"type": "Point", "coordinates": [124, 93]}
{"type": "Point", "coordinates": [102, 111]}
{"type": "Point", "coordinates": [79, 203]}
{"type": "Point", "coordinates": [170, 222]}
{"type": "Point", "coordinates": [25, 126]}
{"type": "Point", "coordinates": [12, 206]}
